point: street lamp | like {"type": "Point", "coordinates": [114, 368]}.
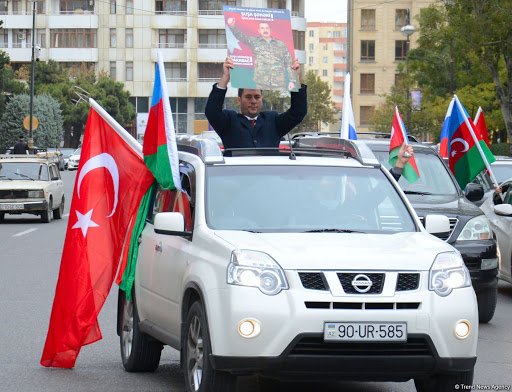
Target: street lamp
{"type": "Point", "coordinates": [408, 30]}
{"type": "Point", "coordinates": [33, 65]}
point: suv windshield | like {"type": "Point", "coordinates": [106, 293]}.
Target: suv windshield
{"type": "Point", "coordinates": [24, 171]}
{"type": "Point", "coordinates": [434, 177]}
{"type": "Point", "coordinates": [303, 199]}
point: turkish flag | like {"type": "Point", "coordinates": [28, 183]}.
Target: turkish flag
{"type": "Point", "coordinates": [111, 181]}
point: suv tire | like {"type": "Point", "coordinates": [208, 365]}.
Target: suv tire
{"type": "Point", "coordinates": [2, 216]}
{"type": "Point", "coordinates": [444, 382]}
{"type": "Point", "coordinates": [139, 352]}
{"type": "Point", "coordinates": [487, 300]}
{"type": "Point", "coordinates": [46, 216]}
{"type": "Point", "coordinates": [196, 349]}
{"type": "Point", "coordinates": [57, 214]}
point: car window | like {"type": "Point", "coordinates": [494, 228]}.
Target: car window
{"type": "Point", "coordinates": [176, 201]}
{"type": "Point", "coordinates": [434, 176]}
{"type": "Point", "coordinates": [77, 151]}
{"type": "Point", "coordinates": [303, 198]}
{"type": "Point", "coordinates": [29, 171]}
{"type": "Point", "coordinates": [502, 172]}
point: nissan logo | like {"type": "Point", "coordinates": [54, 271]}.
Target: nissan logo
{"type": "Point", "coordinates": [362, 283]}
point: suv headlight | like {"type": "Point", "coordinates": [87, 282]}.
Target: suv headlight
{"type": "Point", "coordinates": [256, 269]}
{"type": "Point", "coordinates": [448, 272]}
{"type": "Point", "coordinates": [35, 194]}
{"type": "Point", "coordinates": [476, 229]}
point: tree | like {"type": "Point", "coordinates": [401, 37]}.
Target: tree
{"type": "Point", "coordinates": [320, 107]}
{"type": "Point", "coordinates": [8, 83]}
{"type": "Point", "coordinates": [46, 109]}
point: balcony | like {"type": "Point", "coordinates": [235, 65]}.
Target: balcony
{"type": "Point", "coordinates": [75, 21]}
{"type": "Point", "coordinates": [338, 79]}
{"type": "Point", "coordinates": [169, 54]}
{"type": "Point", "coordinates": [163, 21]}
{"type": "Point", "coordinates": [73, 54]}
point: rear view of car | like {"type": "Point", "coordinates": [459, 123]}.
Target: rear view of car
{"type": "Point", "coordinates": [74, 159]}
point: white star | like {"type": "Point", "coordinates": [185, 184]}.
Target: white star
{"type": "Point", "coordinates": [84, 222]}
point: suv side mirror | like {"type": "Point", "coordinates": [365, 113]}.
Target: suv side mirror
{"type": "Point", "coordinates": [474, 192]}
{"type": "Point", "coordinates": [503, 209]}
{"type": "Point", "coordinates": [437, 225]}
{"type": "Point", "coordinates": [170, 223]}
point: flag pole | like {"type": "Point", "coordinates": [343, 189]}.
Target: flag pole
{"type": "Point", "coordinates": [477, 116]}
{"type": "Point", "coordinates": [475, 139]}
{"type": "Point", "coordinates": [129, 139]}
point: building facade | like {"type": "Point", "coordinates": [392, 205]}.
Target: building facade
{"type": "Point", "coordinates": [122, 37]}
{"type": "Point", "coordinates": [326, 54]}
{"type": "Point", "coordinates": [376, 47]}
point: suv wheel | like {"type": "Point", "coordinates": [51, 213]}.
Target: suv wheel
{"type": "Point", "coordinates": [196, 349]}
{"type": "Point", "coordinates": [46, 216]}
{"type": "Point", "coordinates": [138, 352]}
{"type": "Point", "coordinates": [2, 216]}
{"type": "Point", "coordinates": [487, 300]}
{"type": "Point", "coordinates": [57, 214]}
{"type": "Point", "coordinates": [444, 382]}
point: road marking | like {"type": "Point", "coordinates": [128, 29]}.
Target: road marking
{"type": "Point", "coordinates": [24, 232]}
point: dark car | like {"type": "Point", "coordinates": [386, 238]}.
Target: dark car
{"type": "Point", "coordinates": [437, 192]}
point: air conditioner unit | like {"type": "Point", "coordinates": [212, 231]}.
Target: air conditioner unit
{"type": "Point", "coordinates": [21, 36]}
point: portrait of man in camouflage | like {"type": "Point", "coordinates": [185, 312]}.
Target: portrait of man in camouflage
{"type": "Point", "coordinates": [272, 59]}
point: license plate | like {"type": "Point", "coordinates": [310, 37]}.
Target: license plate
{"type": "Point", "coordinates": [10, 207]}
{"type": "Point", "coordinates": [365, 332]}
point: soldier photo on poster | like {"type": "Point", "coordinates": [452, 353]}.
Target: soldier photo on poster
{"type": "Point", "coordinates": [260, 42]}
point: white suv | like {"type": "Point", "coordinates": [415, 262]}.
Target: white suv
{"type": "Point", "coordinates": [307, 265]}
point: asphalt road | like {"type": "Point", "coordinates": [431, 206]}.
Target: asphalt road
{"type": "Point", "coordinates": [29, 263]}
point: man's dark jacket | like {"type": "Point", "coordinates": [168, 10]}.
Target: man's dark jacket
{"type": "Point", "coordinates": [236, 131]}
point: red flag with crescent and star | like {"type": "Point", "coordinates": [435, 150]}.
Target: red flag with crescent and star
{"type": "Point", "coordinates": [111, 180]}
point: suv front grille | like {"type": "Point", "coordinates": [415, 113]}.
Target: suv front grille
{"type": "Point", "coordinates": [13, 194]}
{"type": "Point", "coordinates": [407, 281]}
{"type": "Point", "coordinates": [346, 279]}
{"type": "Point", "coordinates": [362, 305]}
{"type": "Point", "coordinates": [453, 223]}
{"type": "Point", "coordinates": [316, 346]}
{"type": "Point", "coordinates": [313, 280]}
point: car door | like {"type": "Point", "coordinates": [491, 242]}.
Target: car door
{"type": "Point", "coordinates": [55, 185]}
{"type": "Point", "coordinates": [502, 226]}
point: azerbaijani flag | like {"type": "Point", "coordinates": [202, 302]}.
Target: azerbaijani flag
{"type": "Point", "coordinates": [159, 148]}
{"type": "Point", "coordinates": [466, 153]}
{"type": "Point", "coordinates": [443, 138]}
{"type": "Point", "coordinates": [481, 127]}
{"type": "Point", "coordinates": [348, 124]}
{"type": "Point", "coordinates": [398, 137]}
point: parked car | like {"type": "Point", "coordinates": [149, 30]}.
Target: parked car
{"type": "Point", "coordinates": [30, 185]}
{"type": "Point", "coordinates": [74, 159]}
{"type": "Point", "coordinates": [309, 265]}
{"type": "Point", "coordinates": [53, 154]}
{"type": "Point", "coordinates": [66, 153]}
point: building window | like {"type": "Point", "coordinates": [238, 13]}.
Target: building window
{"type": "Point", "coordinates": [4, 41]}
{"type": "Point", "coordinates": [366, 114]}
{"type": "Point", "coordinates": [128, 35]}
{"type": "Point", "coordinates": [170, 6]}
{"type": "Point", "coordinates": [112, 7]}
{"type": "Point", "coordinates": [112, 71]}
{"type": "Point", "coordinates": [367, 84]}
{"type": "Point", "coordinates": [3, 9]}
{"type": "Point", "coordinates": [212, 38]}
{"type": "Point", "coordinates": [278, 4]}
{"type": "Point", "coordinates": [175, 71]}
{"type": "Point", "coordinates": [73, 38]}
{"type": "Point", "coordinates": [41, 38]}
{"type": "Point", "coordinates": [76, 7]}
{"type": "Point", "coordinates": [299, 39]}
{"type": "Point", "coordinates": [40, 6]}
{"type": "Point", "coordinates": [336, 34]}
{"type": "Point", "coordinates": [325, 73]}
{"type": "Point", "coordinates": [172, 38]}
{"type": "Point", "coordinates": [325, 60]}
{"type": "Point", "coordinates": [401, 18]}
{"type": "Point", "coordinates": [325, 47]}
{"type": "Point", "coordinates": [367, 20]}
{"type": "Point", "coordinates": [129, 7]}
{"type": "Point", "coordinates": [311, 34]}
{"type": "Point", "coordinates": [311, 60]}
{"type": "Point", "coordinates": [368, 50]}
{"type": "Point", "coordinates": [311, 47]}
{"type": "Point", "coordinates": [400, 50]}
{"type": "Point", "coordinates": [215, 7]}
{"type": "Point", "coordinates": [209, 71]}
{"type": "Point", "coordinates": [113, 38]}
{"type": "Point", "coordinates": [129, 71]}
{"type": "Point", "coordinates": [296, 8]}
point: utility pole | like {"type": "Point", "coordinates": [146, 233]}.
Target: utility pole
{"type": "Point", "coordinates": [32, 76]}
{"type": "Point", "coordinates": [408, 30]}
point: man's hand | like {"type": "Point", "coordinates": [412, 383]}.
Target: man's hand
{"type": "Point", "coordinates": [296, 67]}
{"type": "Point", "coordinates": [226, 69]}
{"type": "Point", "coordinates": [404, 154]}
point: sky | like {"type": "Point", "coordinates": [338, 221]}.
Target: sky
{"type": "Point", "coordinates": [326, 11]}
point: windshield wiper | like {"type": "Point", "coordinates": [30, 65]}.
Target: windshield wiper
{"type": "Point", "coordinates": [24, 176]}
{"type": "Point", "coordinates": [6, 178]}
{"type": "Point", "coordinates": [417, 193]}
{"type": "Point", "coordinates": [333, 231]}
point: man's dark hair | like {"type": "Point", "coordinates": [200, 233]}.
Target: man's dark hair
{"type": "Point", "coordinates": [241, 91]}
{"type": "Point", "coordinates": [22, 137]}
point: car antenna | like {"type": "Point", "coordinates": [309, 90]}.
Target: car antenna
{"type": "Point", "coordinates": [293, 157]}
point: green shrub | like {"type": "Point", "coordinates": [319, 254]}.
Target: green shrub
{"type": "Point", "coordinates": [500, 149]}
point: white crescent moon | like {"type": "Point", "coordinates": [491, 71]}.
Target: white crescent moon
{"type": "Point", "coordinates": [460, 140]}
{"type": "Point", "coordinates": [106, 161]}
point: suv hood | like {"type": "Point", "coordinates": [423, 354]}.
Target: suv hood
{"type": "Point", "coordinates": [449, 205]}
{"type": "Point", "coordinates": [22, 185]}
{"type": "Point", "coordinates": [294, 251]}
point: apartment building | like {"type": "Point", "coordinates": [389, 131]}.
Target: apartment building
{"type": "Point", "coordinates": [122, 37]}
{"type": "Point", "coordinates": [376, 47]}
{"type": "Point", "coordinates": [326, 52]}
